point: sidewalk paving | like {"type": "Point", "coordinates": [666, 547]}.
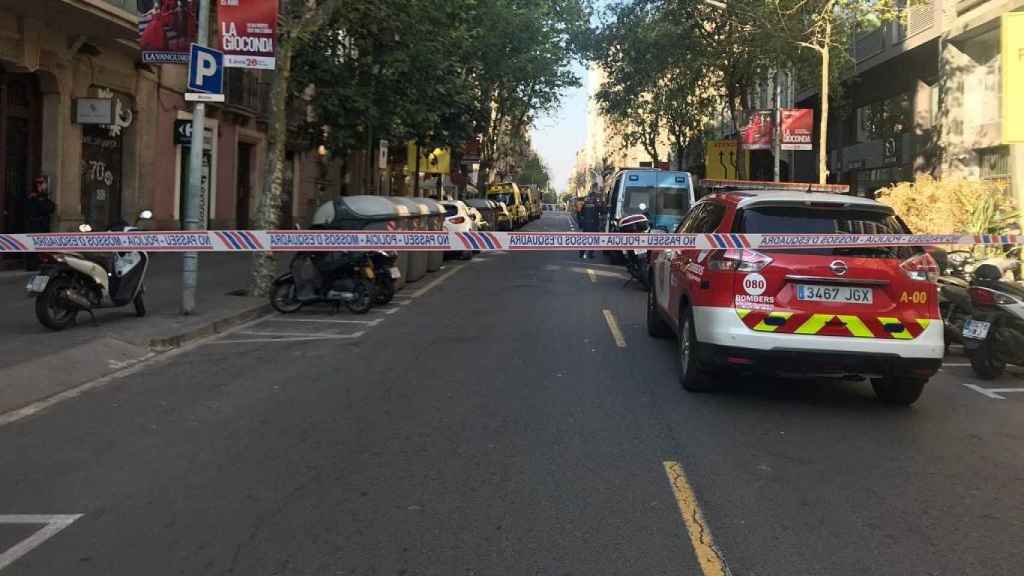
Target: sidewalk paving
{"type": "Point", "coordinates": [36, 362]}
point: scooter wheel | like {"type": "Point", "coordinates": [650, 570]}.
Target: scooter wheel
{"type": "Point", "coordinates": [51, 310]}
{"type": "Point", "coordinates": [985, 365]}
{"type": "Point", "coordinates": [282, 297]}
{"type": "Point", "coordinates": [384, 291]}
{"type": "Point", "coordinates": [363, 300]}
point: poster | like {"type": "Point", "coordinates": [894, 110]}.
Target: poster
{"type": "Point", "coordinates": [167, 31]}
{"type": "Point", "coordinates": [797, 128]}
{"type": "Point", "coordinates": [247, 32]}
{"type": "Point", "coordinates": [720, 159]}
{"type": "Point", "coordinates": [1013, 77]}
{"type": "Point", "coordinates": [757, 134]}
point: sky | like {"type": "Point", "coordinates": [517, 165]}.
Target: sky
{"type": "Point", "coordinates": [558, 136]}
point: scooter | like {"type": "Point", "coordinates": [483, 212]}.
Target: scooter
{"type": "Point", "coordinates": [326, 277]}
{"type": "Point", "coordinates": [954, 298]}
{"type": "Point", "coordinates": [636, 258]}
{"type": "Point", "coordinates": [994, 334]}
{"type": "Point", "coordinates": [72, 282]}
{"type": "Point", "coordinates": [386, 272]}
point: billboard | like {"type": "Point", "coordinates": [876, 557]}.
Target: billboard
{"type": "Point", "coordinates": [248, 33]}
{"type": "Point", "coordinates": [1013, 77]}
{"type": "Point", "coordinates": [757, 134]}
{"type": "Point", "coordinates": [797, 128]}
{"type": "Point", "coordinates": [167, 31]}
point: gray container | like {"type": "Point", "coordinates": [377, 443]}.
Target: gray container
{"type": "Point", "coordinates": [414, 217]}
{"type": "Point", "coordinates": [435, 223]}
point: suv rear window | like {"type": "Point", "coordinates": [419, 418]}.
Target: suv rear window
{"type": "Point", "coordinates": [825, 220]}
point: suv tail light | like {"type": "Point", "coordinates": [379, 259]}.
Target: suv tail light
{"type": "Point", "coordinates": [986, 297]}
{"type": "Point", "coordinates": [921, 267]}
{"type": "Point", "coordinates": [457, 219]}
{"type": "Point", "coordinates": [738, 261]}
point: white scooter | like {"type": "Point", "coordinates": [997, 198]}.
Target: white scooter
{"type": "Point", "coordinates": [71, 282]}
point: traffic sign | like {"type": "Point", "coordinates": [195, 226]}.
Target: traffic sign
{"type": "Point", "coordinates": [205, 75]}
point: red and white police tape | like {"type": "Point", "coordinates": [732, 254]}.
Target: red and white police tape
{"type": "Point", "coordinates": [339, 240]}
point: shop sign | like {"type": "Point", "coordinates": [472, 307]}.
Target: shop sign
{"type": "Point", "coordinates": [247, 33]}
{"type": "Point", "coordinates": [797, 128]}
{"type": "Point", "coordinates": [167, 31]}
{"type": "Point", "coordinates": [183, 134]}
{"type": "Point", "coordinates": [94, 111]}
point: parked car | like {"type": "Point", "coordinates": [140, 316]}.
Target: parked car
{"type": "Point", "coordinates": [488, 210]}
{"type": "Point", "coordinates": [478, 218]}
{"type": "Point", "coordinates": [458, 219]}
{"type": "Point", "coordinates": [509, 193]}
{"type": "Point", "coordinates": [840, 312]}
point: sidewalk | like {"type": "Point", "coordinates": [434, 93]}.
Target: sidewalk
{"type": "Point", "coordinates": [36, 362]}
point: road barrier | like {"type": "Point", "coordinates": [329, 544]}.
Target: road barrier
{"type": "Point", "coordinates": [339, 240]}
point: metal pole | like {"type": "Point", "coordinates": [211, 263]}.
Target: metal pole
{"type": "Point", "coordinates": [190, 260]}
{"type": "Point", "coordinates": [777, 140]}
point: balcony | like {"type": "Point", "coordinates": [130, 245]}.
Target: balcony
{"type": "Point", "coordinates": [869, 44]}
{"type": "Point", "coordinates": [244, 92]}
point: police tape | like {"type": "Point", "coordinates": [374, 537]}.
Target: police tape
{"type": "Point", "coordinates": [341, 240]}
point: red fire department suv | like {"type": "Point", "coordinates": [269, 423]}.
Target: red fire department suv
{"type": "Point", "coordinates": [834, 312]}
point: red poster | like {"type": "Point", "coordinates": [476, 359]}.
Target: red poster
{"type": "Point", "coordinates": [247, 32]}
{"type": "Point", "coordinates": [797, 128]}
{"type": "Point", "coordinates": [167, 31]}
{"type": "Point", "coordinates": [757, 134]}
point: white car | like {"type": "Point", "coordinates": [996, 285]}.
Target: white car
{"type": "Point", "coordinates": [458, 219]}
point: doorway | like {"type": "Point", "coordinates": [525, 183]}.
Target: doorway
{"type": "Point", "coordinates": [243, 178]}
{"type": "Point", "coordinates": [19, 139]}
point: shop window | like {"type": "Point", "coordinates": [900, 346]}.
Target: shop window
{"type": "Point", "coordinates": [994, 162]}
{"type": "Point", "coordinates": [884, 119]}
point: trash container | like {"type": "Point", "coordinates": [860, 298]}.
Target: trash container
{"type": "Point", "coordinates": [415, 219]}
{"type": "Point", "coordinates": [361, 212]}
{"type": "Point", "coordinates": [435, 223]}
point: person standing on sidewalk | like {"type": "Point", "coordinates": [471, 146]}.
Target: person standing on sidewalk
{"type": "Point", "coordinates": [39, 209]}
{"type": "Point", "coordinates": [589, 220]}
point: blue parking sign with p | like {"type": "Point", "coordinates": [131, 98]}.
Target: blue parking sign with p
{"type": "Point", "coordinates": [206, 70]}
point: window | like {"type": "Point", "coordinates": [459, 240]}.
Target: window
{"type": "Point", "coordinates": [884, 119]}
{"type": "Point", "coordinates": [703, 218]}
{"type": "Point", "coordinates": [825, 220]}
{"type": "Point", "coordinates": [994, 162]}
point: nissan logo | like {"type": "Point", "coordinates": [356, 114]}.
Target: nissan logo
{"type": "Point", "coordinates": [838, 267]}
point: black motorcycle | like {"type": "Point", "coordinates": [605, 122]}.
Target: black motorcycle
{"type": "Point", "coordinates": [386, 272]}
{"type": "Point", "coordinates": [994, 334]}
{"type": "Point", "coordinates": [326, 277]}
{"type": "Point", "coordinates": [954, 299]}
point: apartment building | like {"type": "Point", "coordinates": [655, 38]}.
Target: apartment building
{"type": "Point", "coordinates": [924, 98]}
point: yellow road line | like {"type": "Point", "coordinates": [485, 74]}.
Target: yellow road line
{"type": "Point", "coordinates": [614, 327]}
{"type": "Point", "coordinates": [710, 560]}
{"type": "Point", "coordinates": [593, 277]}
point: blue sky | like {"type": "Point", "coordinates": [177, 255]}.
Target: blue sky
{"type": "Point", "coordinates": [558, 136]}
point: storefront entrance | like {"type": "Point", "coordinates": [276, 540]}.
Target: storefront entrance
{"type": "Point", "coordinates": [19, 147]}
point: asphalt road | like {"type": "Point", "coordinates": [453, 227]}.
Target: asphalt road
{"type": "Point", "coordinates": [492, 423]}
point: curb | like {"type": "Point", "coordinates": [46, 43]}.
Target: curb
{"type": "Point", "coordinates": [209, 329]}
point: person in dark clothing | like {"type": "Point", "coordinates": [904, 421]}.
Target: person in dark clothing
{"type": "Point", "coordinates": [589, 220]}
{"type": "Point", "coordinates": [39, 208]}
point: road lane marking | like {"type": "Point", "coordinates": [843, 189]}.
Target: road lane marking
{"type": "Point", "coordinates": [52, 524]}
{"type": "Point", "coordinates": [298, 334]}
{"type": "Point", "coordinates": [324, 320]}
{"type": "Point", "coordinates": [435, 282]}
{"type": "Point", "coordinates": [614, 327]}
{"type": "Point", "coordinates": [710, 559]}
{"type": "Point", "coordinates": [590, 273]}
{"type": "Point", "coordinates": [384, 310]}
{"type": "Point", "coordinates": [291, 339]}
{"type": "Point", "coordinates": [956, 364]}
{"type": "Point", "coordinates": [991, 393]}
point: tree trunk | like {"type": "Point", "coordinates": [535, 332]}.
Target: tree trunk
{"type": "Point", "coordinates": [823, 137]}
{"type": "Point", "coordinates": [737, 164]}
{"type": "Point", "coordinates": [264, 266]}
